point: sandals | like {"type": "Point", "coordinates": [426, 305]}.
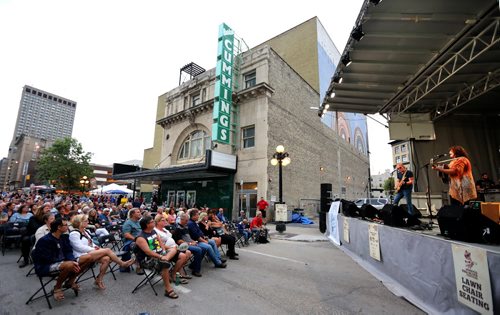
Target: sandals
{"type": "Point", "coordinates": [100, 285]}
{"type": "Point", "coordinates": [128, 263]}
{"type": "Point", "coordinates": [171, 294]}
{"type": "Point", "coordinates": [58, 294]}
{"type": "Point", "coordinates": [75, 287]}
{"type": "Point", "coordinates": [183, 281]}
{"type": "Point", "coordinates": [186, 277]}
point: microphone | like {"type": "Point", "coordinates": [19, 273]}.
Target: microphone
{"type": "Point", "coordinates": [394, 170]}
{"type": "Point", "coordinates": [440, 155]}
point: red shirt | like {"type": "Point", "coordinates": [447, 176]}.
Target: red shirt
{"type": "Point", "coordinates": [262, 204]}
{"type": "Point", "coordinates": [256, 223]}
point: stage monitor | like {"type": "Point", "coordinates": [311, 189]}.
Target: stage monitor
{"type": "Point", "coordinates": [411, 126]}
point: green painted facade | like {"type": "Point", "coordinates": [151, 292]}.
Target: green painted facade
{"type": "Point", "coordinates": [215, 193]}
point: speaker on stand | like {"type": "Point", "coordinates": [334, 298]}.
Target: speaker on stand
{"type": "Point", "coordinates": [325, 203]}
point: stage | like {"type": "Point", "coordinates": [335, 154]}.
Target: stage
{"type": "Point", "coordinates": [416, 265]}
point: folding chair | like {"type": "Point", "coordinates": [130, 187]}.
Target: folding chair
{"type": "Point", "coordinates": [52, 277]}
{"type": "Point", "coordinates": [43, 287]}
{"type": "Point", "coordinates": [149, 278]}
{"type": "Point", "coordinates": [81, 277]}
{"type": "Point", "coordinates": [109, 240]}
{"type": "Point", "coordinates": [12, 234]}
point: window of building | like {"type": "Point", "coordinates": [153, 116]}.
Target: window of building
{"type": "Point", "coordinates": [204, 94]}
{"type": "Point", "coordinates": [396, 150]}
{"type": "Point", "coordinates": [250, 79]}
{"type": "Point", "coordinates": [248, 135]}
{"type": "Point", "coordinates": [195, 145]}
{"type": "Point", "coordinates": [195, 100]}
{"type": "Point", "coordinates": [398, 159]}
{"type": "Point", "coordinates": [403, 148]}
{"type": "Point", "coordinates": [404, 158]}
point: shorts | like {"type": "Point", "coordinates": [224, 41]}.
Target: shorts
{"type": "Point", "coordinates": [263, 213]}
{"type": "Point", "coordinates": [55, 266]}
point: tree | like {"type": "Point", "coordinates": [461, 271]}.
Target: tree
{"type": "Point", "coordinates": [389, 185]}
{"type": "Point", "coordinates": [64, 162]}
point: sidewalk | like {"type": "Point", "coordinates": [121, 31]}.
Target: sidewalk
{"type": "Point", "coordinates": [298, 232]}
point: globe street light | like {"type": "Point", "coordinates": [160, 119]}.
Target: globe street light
{"type": "Point", "coordinates": [280, 158]}
{"type": "Point", "coordinates": [84, 182]}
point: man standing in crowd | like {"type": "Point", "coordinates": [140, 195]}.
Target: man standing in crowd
{"type": "Point", "coordinates": [262, 206]}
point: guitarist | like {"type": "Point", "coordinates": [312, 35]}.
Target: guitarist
{"type": "Point", "coordinates": [404, 186]}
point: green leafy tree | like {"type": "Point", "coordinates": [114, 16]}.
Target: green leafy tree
{"type": "Point", "coordinates": [389, 185]}
{"type": "Point", "coordinates": [64, 162]}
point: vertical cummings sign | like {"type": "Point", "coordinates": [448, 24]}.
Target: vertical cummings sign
{"type": "Point", "coordinates": [223, 98]}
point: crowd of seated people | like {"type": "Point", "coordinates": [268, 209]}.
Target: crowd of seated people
{"type": "Point", "coordinates": [62, 237]}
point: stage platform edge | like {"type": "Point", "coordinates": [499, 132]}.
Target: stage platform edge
{"type": "Point", "coordinates": [416, 266]}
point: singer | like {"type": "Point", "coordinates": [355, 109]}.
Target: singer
{"type": "Point", "coordinates": [462, 188]}
{"type": "Point", "coordinates": [404, 186]}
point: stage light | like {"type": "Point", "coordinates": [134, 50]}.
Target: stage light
{"type": "Point", "coordinates": [357, 33]}
{"type": "Point", "coordinates": [346, 60]}
{"type": "Point", "coordinates": [332, 95]}
{"type": "Point", "coordinates": [375, 2]}
{"type": "Point", "coordinates": [337, 79]}
{"type": "Point", "coordinates": [327, 106]}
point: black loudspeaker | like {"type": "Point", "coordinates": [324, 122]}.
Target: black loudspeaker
{"type": "Point", "coordinates": [280, 227]}
{"type": "Point", "coordinates": [460, 223]}
{"type": "Point", "coordinates": [393, 215]}
{"type": "Point", "coordinates": [368, 211]}
{"type": "Point", "coordinates": [415, 210]}
{"type": "Point", "coordinates": [325, 197]}
{"type": "Point", "coordinates": [349, 208]}
{"type": "Point", "coordinates": [322, 221]}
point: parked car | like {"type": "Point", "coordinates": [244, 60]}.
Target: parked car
{"type": "Point", "coordinates": [378, 203]}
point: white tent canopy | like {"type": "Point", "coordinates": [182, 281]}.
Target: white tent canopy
{"type": "Point", "coordinates": [112, 189]}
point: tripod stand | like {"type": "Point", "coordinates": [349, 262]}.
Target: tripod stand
{"type": "Point", "coordinates": [428, 193]}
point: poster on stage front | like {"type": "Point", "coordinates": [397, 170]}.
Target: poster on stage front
{"type": "Point", "coordinates": [473, 278]}
{"type": "Point", "coordinates": [346, 230]}
{"type": "Point", "coordinates": [373, 241]}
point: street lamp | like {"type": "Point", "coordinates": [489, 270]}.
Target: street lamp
{"type": "Point", "coordinates": [84, 182]}
{"type": "Point", "coordinates": [280, 158]}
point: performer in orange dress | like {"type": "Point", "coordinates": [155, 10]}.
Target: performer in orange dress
{"type": "Point", "coordinates": [462, 186]}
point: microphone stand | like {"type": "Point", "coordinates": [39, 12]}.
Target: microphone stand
{"type": "Point", "coordinates": [428, 193]}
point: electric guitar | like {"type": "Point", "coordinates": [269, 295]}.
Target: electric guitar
{"type": "Point", "coordinates": [445, 178]}
{"type": "Point", "coordinates": [401, 182]}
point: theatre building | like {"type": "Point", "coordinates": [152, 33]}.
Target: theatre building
{"type": "Point", "coordinates": [271, 106]}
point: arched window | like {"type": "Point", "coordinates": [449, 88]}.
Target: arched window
{"type": "Point", "coordinates": [195, 145]}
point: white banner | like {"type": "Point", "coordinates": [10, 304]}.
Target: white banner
{"type": "Point", "coordinates": [332, 223]}
{"type": "Point", "coordinates": [374, 241]}
{"type": "Point", "coordinates": [472, 278]}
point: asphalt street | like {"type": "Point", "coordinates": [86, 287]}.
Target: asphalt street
{"type": "Point", "coordinates": [298, 272]}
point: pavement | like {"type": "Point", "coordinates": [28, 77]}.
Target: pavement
{"type": "Point", "coordinates": [298, 272]}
